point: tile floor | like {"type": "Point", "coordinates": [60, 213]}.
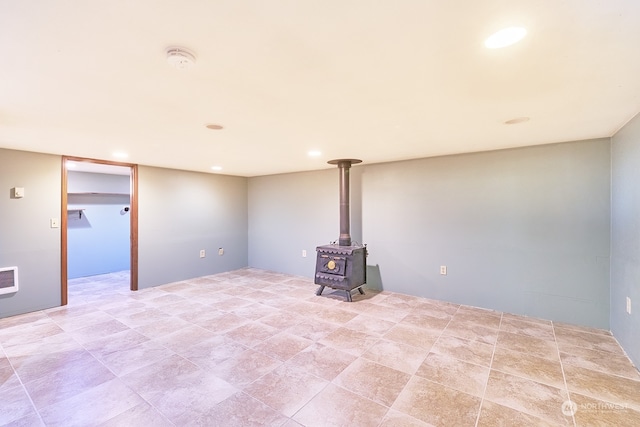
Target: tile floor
{"type": "Point", "coordinates": [255, 348]}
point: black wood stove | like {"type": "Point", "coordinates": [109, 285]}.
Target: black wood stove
{"type": "Point", "coordinates": [342, 266]}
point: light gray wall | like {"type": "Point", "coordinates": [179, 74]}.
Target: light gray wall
{"type": "Point", "coordinates": [181, 213]}
{"type": "Point", "coordinates": [523, 231]}
{"type": "Point", "coordinates": [26, 239]}
{"type": "Point", "coordinates": [289, 213]}
{"type": "Point", "coordinates": [625, 237]}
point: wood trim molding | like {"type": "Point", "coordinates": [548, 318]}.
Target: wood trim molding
{"type": "Point", "coordinates": [133, 212]}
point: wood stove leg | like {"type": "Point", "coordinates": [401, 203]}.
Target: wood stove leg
{"type": "Point", "coordinates": [361, 290]}
{"type": "Point", "coordinates": [320, 289]}
{"type": "Point", "coordinates": [349, 296]}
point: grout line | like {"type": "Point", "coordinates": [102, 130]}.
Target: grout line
{"type": "Point", "coordinates": [486, 384]}
{"type": "Point", "coordinates": [564, 377]}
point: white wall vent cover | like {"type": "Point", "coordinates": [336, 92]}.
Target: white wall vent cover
{"type": "Point", "coordinates": [8, 280]}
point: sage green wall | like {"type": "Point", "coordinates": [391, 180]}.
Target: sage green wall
{"type": "Point", "coordinates": [26, 238]}
{"type": "Point", "coordinates": [625, 238]}
{"type": "Point", "coordinates": [523, 230]}
{"type": "Point", "coordinates": [181, 213]}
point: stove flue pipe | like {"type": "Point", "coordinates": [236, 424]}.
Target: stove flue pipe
{"type": "Point", "coordinates": [345, 225]}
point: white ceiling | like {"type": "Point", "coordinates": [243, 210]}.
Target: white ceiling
{"type": "Point", "coordinates": [375, 80]}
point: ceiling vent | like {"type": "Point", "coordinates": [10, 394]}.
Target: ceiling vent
{"type": "Point", "coordinates": [180, 58]}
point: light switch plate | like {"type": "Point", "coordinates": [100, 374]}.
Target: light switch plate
{"type": "Point", "coordinates": [18, 192]}
{"type": "Point", "coordinates": [54, 223]}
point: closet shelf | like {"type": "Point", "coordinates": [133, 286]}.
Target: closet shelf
{"type": "Point", "coordinates": [95, 193]}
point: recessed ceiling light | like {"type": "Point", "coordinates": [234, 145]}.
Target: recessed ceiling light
{"type": "Point", "coordinates": [314, 153]}
{"type": "Point", "coordinates": [214, 127]}
{"type": "Point", "coordinates": [216, 168]}
{"type": "Point", "coordinates": [517, 120]}
{"type": "Point", "coordinates": [505, 37]}
{"type": "Point", "coordinates": [180, 57]}
{"type": "Point", "coordinates": [120, 155]}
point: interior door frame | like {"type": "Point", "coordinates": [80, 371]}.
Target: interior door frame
{"type": "Point", "coordinates": [133, 226]}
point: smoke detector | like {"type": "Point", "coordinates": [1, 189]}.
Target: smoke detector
{"type": "Point", "coordinates": [180, 58]}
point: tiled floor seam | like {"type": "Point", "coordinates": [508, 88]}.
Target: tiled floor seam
{"type": "Point", "coordinates": [564, 376]}
{"type": "Point", "coordinates": [486, 384]}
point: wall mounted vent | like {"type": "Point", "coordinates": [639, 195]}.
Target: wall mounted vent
{"type": "Point", "coordinates": [8, 280]}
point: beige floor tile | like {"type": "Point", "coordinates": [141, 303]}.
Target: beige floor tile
{"type": "Point", "coordinates": [313, 329]}
{"type": "Point", "coordinates": [100, 404]}
{"type": "Point", "coordinates": [593, 412]}
{"type": "Point", "coordinates": [15, 404]}
{"type": "Point", "coordinates": [238, 410]}
{"type": "Point", "coordinates": [75, 375]}
{"type": "Point", "coordinates": [528, 366]}
{"type": "Point", "coordinates": [252, 333]}
{"type": "Point", "coordinates": [369, 325]}
{"type": "Point", "coordinates": [399, 419]}
{"type": "Point", "coordinates": [213, 351]}
{"type": "Point", "coordinates": [97, 331]}
{"type": "Point", "coordinates": [245, 368]}
{"type": "Point", "coordinates": [33, 359]}
{"type": "Point", "coordinates": [581, 328]}
{"type": "Point", "coordinates": [410, 335]}
{"type": "Point", "coordinates": [471, 331]}
{"type": "Point", "coordinates": [335, 406]}
{"type": "Point", "coordinates": [373, 381]}
{"type": "Point", "coordinates": [322, 361]}
{"type": "Point", "coordinates": [578, 338]}
{"type": "Point", "coordinates": [437, 405]}
{"type": "Point", "coordinates": [433, 324]}
{"type": "Point", "coordinates": [141, 415]}
{"type": "Point", "coordinates": [454, 373]}
{"type": "Point", "coordinates": [162, 327]}
{"type": "Point", "coordinates": [610, 363]}
{"type": "Point", "coordinates": [286, 389]}
{"type": "Point", "coordinates": [386, 353]}
{"type": "Point", "coordinates": [527, 396]}
{"type": "Point", "coordinates": [471, 351]}
{"type": "Point", "coordinates": [600, 385]}
{"type": "Point", "coordinates": [183, 338]}
{"type": "Point", "coordinates": [254, 311]}
{"type": "Point", "coordinates": [349, 341]}
{"type": "Point", "coordinates": [528, 345]}
{"type": "Point", "coordinates": [283, 346]}
{"type": "Point", "coordinates": [509, 316]}
{"type": "Point", "coordinates": [442, 307]}
{"type": "Point", "coordinates": [533, 329]}
{"type": "Point", "coordinates": [488, 319]}
{"type": "Point", "coordinates": [495, 415]}
{"type": "Point", "coordinates": [391, 314]}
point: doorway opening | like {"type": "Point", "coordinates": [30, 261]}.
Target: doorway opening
{"type": "Point", "coordinates": [78, 191]}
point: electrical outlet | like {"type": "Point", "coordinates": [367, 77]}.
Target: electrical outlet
{"type": "Point", "coordinates": [202, 253]}
{"type": "Point", "coordinates": [628, 305]}
{"type": "Point", "coordinates": [304, 253]}
{"type": "Point", "coordinates": [443, 270]}
{"type": "Point", "coordinates": [220, 251]}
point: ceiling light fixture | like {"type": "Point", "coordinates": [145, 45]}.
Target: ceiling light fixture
{"type": "Point", "coordinates": [216, 168]}
{"type": "Point", "coordinates": [505, 37]}
{"type": "Point", "coordinates": [314, 153]}
{"type": "Point", "coordinates": [180, 57]}
{"type": "Point", "coordinates": [214, 127]}
{"type": "Point", "coordinates": [517, 120]}
{"type": "Point", "coordinates": [120, 155]}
